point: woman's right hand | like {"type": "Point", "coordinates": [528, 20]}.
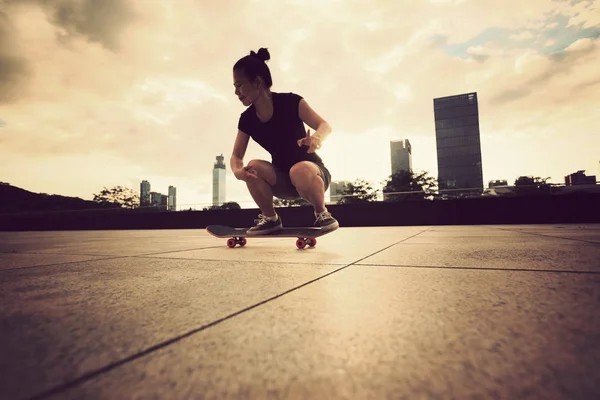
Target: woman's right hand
{"type": "Point", "coordinates": [245, 173]}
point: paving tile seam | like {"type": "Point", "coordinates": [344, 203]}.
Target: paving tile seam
{"type": "Point", "coordinates": [550, 236]}
{"type": "Point", "coordinates": [561, 271]}
{"type": "Point", "coordinates": [109, 367]}
{"type": "Point", "coordinates": [549, 227]}
{"type": "Point", "coordinates": [240, 261]}
{"type": "Point", "coordinates": [62, 263]}
{"type": "Point", "coordinates": [57, 254]}
{"type": "Point", "coordinates": [178, 251]}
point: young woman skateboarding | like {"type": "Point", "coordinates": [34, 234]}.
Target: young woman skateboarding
{"type": "Point", "coordinates": [276, 122]}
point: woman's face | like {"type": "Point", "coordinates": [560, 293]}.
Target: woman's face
{"type": "Point", "coordinates": [245, 90]}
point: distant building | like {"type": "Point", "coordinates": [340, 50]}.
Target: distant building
{"type": "Point", "coordinates": [580, 183]}
{"type": "Point", "coordinates": [458, 142]}
{"type": "Point", "coordinates": [401, 156]}
{"type": "Point", "coordinates": [497, 187]}
{"type": "Point", "coordinates": [336, 189]}
{"type": "Point", "coordinates": [579, 178]}
{"type": "Point", "coordinates": [145, 194]}
{"type": "Point", "coordinates": [496, 183]}
{"type": "Point", "coordinates": [172, 201]}
{"type": "Point", "coordinates": [219, 181]}
{"type": "Point", "coordinates": [164, 201]}
{"type": "Point", "coordinates": [155, 199]}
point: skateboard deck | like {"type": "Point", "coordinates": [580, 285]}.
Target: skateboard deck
{"type": "Point", "coordinates": [306, 236]}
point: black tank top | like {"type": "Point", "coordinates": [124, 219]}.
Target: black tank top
{"type": "Point", "coordinates": [280, 134]}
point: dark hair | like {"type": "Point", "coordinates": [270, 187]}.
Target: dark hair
{"type": "Point", "coordinates": [255, 65]}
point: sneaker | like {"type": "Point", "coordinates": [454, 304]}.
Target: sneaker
{"type": "Point", "coordinates": [326, 222]}
{"type": "Point", "coordinates": [264, 225]}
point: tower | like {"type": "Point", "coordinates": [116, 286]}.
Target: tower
{"type": "Point", "coordinates": [458, 142]}
{"type": "Point", "coordinates": [172, 200]}
{"type": "Point", "coordinates": [219, 181]}
{"type": "Point", "coordinates": [144, 194]}
{"type": "Point", "coordinates": [401, 156]}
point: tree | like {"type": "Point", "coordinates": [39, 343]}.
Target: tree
{"type": "Point", "coordinates": [360, 191]}
{"type": "Point", "coordinates": [230, 205]}
{"type": "Point", "coordinates": [529, 185]}
{"type": "Point", "coordinates": [117, 197]}
{"type": "Point", "coordinates": [290, 203]}
{"type": "Point", "coordinates": [420, 186]}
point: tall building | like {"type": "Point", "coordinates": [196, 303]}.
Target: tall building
{"type": "Point", "coordinates": [219, 181]}
{"type": "Point", "coordinates": [172, 201]}
{"type": "Point", "coordinates": [144, 194]}
{"type": "Point", "coordinates": [401, 156]}
{"type": "Point", "coordinates": [336, 189]}
{"type": "Point", "coordinates": [458, 142]}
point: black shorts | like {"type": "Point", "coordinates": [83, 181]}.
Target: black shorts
{"type": "Point", "coordinates": [285, 189]}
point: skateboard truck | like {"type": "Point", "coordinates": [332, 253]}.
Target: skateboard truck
{"type": "Point", "coordinates": [231, 243]}
{"type": "Point", "coordinates": [302, 242]}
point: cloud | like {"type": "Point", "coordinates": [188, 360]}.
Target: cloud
{"type": "Point", "coordinates": [525, 35]}
{"type": "Point", "coordinates": [585, 14]}
{"type": "Point", "coordinates": [46, 47]}
{"type": "Point", "coordinates": [478, 53]}
{"type": "Point", "coordinates": [13, 72]}
{"type": "Point", "coordinates": [14, 69]}
{"type": "Point", "coordinates": [98, 21]}
{"type": "Point", "coordinates": [534, 70]}
{"type": "Point", "coordinates": [510, 95]}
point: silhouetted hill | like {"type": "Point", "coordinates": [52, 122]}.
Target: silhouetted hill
{"type": "Point", "coordinates": [14, 199]}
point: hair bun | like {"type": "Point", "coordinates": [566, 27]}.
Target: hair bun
{"type": "Point", "coordinates": [263, 54]}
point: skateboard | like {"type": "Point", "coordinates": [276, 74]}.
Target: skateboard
{"type": "Point", "coordinates": [306, 236]}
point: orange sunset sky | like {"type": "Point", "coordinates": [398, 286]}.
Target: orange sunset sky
{"type": "Point", "coordinates": [106, 93]}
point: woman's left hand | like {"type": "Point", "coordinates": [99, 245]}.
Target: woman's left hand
{"type": "Point", "coordinates": [313, 142]}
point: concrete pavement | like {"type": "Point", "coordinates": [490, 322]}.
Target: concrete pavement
{"type": "Point", "coordinates": [448, 312]}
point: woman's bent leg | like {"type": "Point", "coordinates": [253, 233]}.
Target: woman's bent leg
{"type": "Point", "coordinates": [310, 184]}
{"type": "Point", "coordinates": [261, 190]}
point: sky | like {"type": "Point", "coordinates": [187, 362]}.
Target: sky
{"type": "Point", "coordinates": [102, 94]}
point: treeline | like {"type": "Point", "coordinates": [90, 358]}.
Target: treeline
{"type": "Point", "coordinates": [15, 199]}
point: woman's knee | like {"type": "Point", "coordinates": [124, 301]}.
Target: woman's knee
{"type": "Point", "coordinates": [303, 173]}
{"type": "Point", "coordinates": [265, 170]}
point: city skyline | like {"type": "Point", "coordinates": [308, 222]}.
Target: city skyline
{"type": "Point", "coordinates": [127, 95]}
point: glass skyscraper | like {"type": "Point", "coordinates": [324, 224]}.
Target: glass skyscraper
{"type": "Point", "coordinates": [458, 142]}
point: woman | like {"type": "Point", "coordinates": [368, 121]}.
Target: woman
{"type": "Point", "coordinates": [276, 122]}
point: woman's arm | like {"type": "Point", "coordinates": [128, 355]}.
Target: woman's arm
{"type": "Point", "coordinates": [314, 120]}
{"type": "Point", "coordinates": [237, 158]}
